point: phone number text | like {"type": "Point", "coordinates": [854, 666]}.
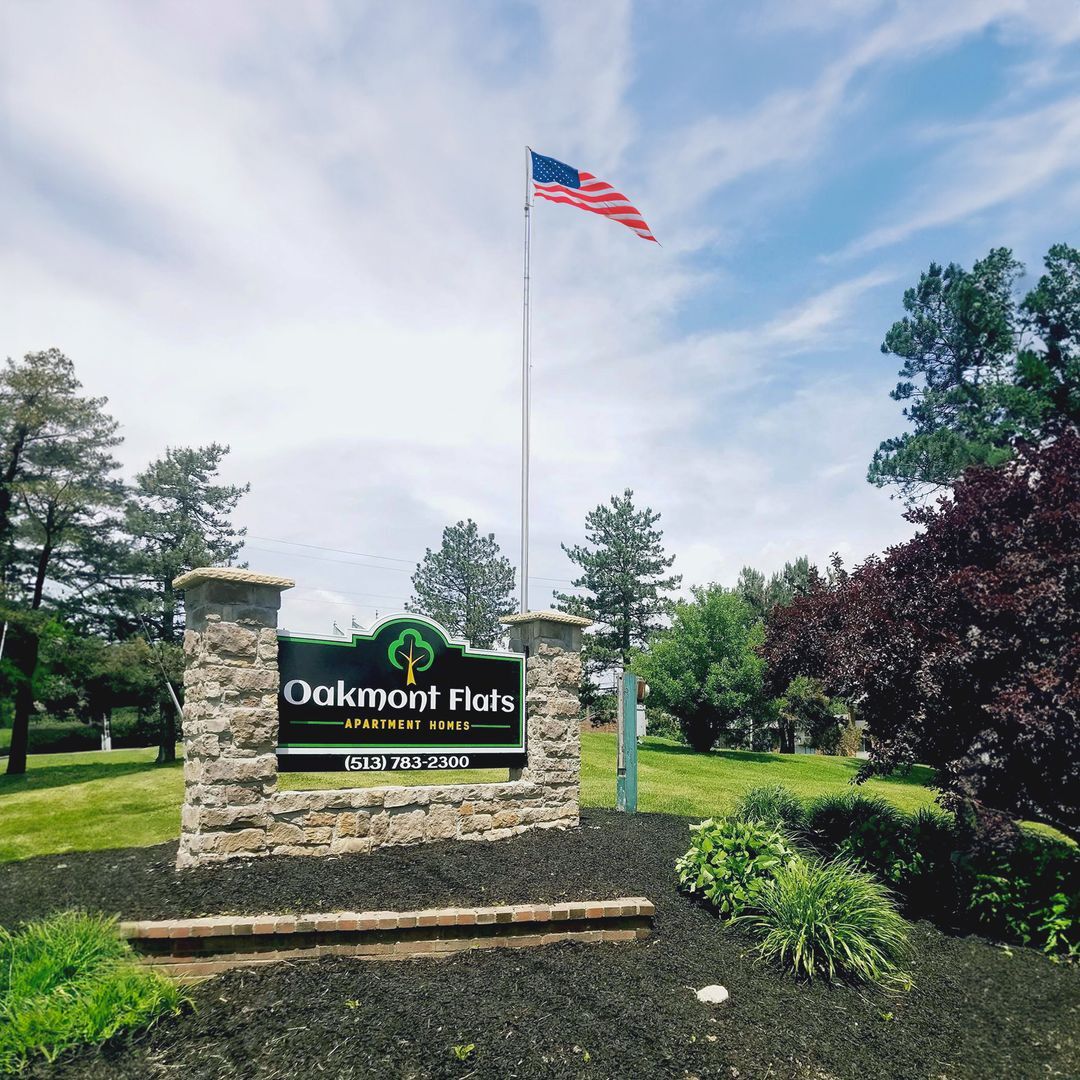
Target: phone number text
{"type": "Point", "coordinates": [382, 762]}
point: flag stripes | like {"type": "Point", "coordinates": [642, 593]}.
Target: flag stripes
{"type": "Point", "coordinates": [559, 183]}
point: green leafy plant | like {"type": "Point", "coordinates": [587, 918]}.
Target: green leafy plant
{"type": "Point", "coordinates": [772, 804]}
{"type": "Point", "coordinates": [1028, 892]}
{"type": "Point", "coordinates": [866, 828]}
{"type": "Point", "coordinates": [928, 852]}
{"type": "Point", "coordinates": [730, 860]}
{"type": "Point", "coordinates": [462, 1051]}
{"type": "Point", "coordinates": [70, 980]}
{"type": "Point", "coordinates": [830, 919]}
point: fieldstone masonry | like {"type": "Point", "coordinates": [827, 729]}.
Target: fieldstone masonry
{"type": "Point", "coordinates": [232, 808]}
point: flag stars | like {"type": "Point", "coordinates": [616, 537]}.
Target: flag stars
{"type": "Point", "coordinates": [558, 182]}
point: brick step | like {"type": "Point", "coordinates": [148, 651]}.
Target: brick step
{"type": "Point", "coordinates": [197, 948]}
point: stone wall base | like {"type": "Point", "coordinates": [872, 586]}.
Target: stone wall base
{"type": "Point", "coordinates": [360, 820]}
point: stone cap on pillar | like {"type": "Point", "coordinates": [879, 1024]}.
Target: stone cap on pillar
{"type": "Point", "coordinates": [231, 594]}
{"type": "Point", "coordinates": [528, 629]}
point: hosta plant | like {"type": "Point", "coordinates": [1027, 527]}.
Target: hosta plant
{"type": "Point", "coordinates": [729, 861]}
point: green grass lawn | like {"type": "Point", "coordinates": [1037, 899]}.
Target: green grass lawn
{"type": "Point", "coordinates": [673, 779]}
{"type": "Point", "coordinates": [89, 801]}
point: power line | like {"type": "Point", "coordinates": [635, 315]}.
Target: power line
{"type": "Point", "coordinates": [344, 592]}
{"type": "Point", "coordinates": [360, 554]}
{"type": "Point", "coordinates": [339, 551]}
{"type": "Point", "coordinates": [324, 558]}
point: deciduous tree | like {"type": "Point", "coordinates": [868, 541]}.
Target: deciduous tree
{"type": "Point", "coordinates": [961, 648]}
{"type": "Point", "coordinates": [705, 668]}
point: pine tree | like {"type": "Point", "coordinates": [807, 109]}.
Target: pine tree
{"type": "Point", "coordinates": [624, 577]}
{"type": "Point", "coordinates": [980, 369]}
{"type": "Point", "coordinates": [762, 594]}
{"type": "Point", "coordinates": [179, 518]}
{"type": "Point", "coordinates": [467, 585]}
{"type": "Point", "coordinates": [58, 500]}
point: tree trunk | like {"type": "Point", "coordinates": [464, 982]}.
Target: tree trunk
{"type": "Point", "coordinates": [10, 472]}
{"type": "Point", "coordinates": [40, 576]}
{"type": "Point", "coordinates": [26, 661]}
{"type": "Point", "coordinates": [167, 739]}
{"type": "Point", "coordinates": [787, 736]}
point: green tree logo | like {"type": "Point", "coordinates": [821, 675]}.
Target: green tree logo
{"type": "Point", "coordinates": [410, 653]}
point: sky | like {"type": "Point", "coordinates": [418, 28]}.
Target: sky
{"type": "Point", "coordinates": [296, 228]}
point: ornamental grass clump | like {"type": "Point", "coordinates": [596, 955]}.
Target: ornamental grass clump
{"type": "Point", "coordinates": [730, 860]}
{"type": "Point", "coordinates": [830, 919]}
{"type": "Point", "coordinates": [68, 981]}
{"type": "Point", "coordinates": [773, 804]}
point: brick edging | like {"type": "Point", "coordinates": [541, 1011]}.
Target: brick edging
{"type": "Point", "coordinates": [197, 947]}
{"type": "Point", "coordinates": [350, 921]}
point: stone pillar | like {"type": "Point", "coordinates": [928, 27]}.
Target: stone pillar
{"type": "Point", "coordinates": [230, 712]}
{"type": "Point", "coordinates": [551, 641]}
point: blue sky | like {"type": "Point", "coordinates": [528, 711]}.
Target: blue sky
{"type": "Point", "coordinates": [296, 228]}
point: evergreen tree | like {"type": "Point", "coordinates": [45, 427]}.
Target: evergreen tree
{"type": "Point", "coordinates": [956, 343]}
{"type": "Point", "coordinates": [624, 577]}
{"type": "Point", "coordinates": [467, 585]}
{"type": "Point", "coordinates": [1051, 312]}
{"type": "Point", "coordinates": [980, 370]}
{"type": "Point", "coordinates": [179, 518]}
{"type": "Point", "coordinates": [57, 510]}
{"type": "Point", "coordinates": [762, 595]}
{"type": "Point", "coordinates": [751, 588]}
{"type": "Point", "coordinates": [805, 709]}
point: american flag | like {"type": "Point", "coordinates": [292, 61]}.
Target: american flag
{"type": "Point", "coordinates": [557, 182]}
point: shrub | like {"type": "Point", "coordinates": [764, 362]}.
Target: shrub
{"type": "Point", "coordinates": [1029, 893]}
{"type": "Point", "coordinates": [773, 804]}
{"type": "Point", "coordinates": [664, 725]}
{"type": "Point", "coordinates": [924, 869]}
{"type": "Point", "coordinates": [131, 728]}
{"type": "Point", "coordinates": [71, 980]}
{"type": "Point", "coordinates": [730, 860]}
{"type": "Point", "coordinates": [867, 828]}
{"type": "Point", "coordinates": [61, 736]}
{"type": "Point", "coordinates": [829, 919]}
{"type": "Point", "coordinates": [842, 740]}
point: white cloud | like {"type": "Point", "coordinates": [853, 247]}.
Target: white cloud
{"type": "Point", "coordinates": [985, 165]}
{"type": "Point", "coordinates": [297, 229]}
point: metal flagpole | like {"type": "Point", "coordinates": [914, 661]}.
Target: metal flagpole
{"type": "Point", "coordinates": [525, 391]}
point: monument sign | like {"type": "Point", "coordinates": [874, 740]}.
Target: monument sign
{"type": "Point", "coordinates": [403, 695]}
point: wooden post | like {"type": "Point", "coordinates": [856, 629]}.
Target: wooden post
{"type": "Point", "coordinates": [626, 764]}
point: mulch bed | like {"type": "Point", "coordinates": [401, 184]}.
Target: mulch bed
{"type": "Point", "coordinates": [598, 1011]}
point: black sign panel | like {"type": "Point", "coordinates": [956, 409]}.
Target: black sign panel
{"type": "Point", "coordinates": [403, 695]}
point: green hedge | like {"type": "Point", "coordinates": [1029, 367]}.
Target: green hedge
{"type": "Point", "coordinates": [1027, 891]}
{"type": "Point", "coordinates": [67, 736]}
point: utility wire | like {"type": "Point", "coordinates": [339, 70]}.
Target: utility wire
{"type": "Point", "coordinates": [339, 551]}
{"type": "Point", "coordinates": [360, 554]}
